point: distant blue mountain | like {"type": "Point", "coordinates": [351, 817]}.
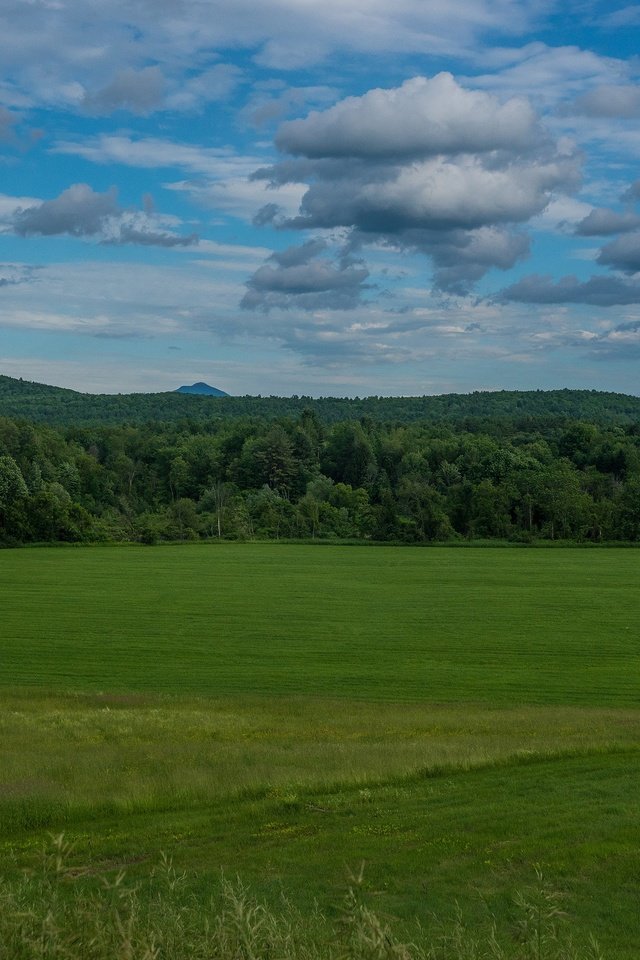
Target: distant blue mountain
{"type": "Point", "coordinates": [204, 389]}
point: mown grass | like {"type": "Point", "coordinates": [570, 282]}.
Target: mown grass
{"type": "Point", "coordinates": [284, 713]}
{"type": "Point", "coordinates": [437, 624]}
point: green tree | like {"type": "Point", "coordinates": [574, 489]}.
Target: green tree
{"type": "Point", "coordinates": [13, 497]}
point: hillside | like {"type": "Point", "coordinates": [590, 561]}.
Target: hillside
{"type": "Point", "coordinates": [55, 405]}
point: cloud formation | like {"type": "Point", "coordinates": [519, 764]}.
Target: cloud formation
{"type": "Point", "coordinates": [598, 291]}
{"type": "Point", "coordinates": [422, 118]}
{"type": "Point", "coordinates": [622, 254]}
{"type": "Point", "coordinates": [79, 211]}
{"type": "Point", "coordinates": [300, 278]}
{"type": "Point", "coordinates": [601, 222]}
{"type": "Point", "coordinates": [78, 47]}
{"type": "Point", "coordinates": [428, 166]}
{"type": "Point", "coordinates": [547, 74]}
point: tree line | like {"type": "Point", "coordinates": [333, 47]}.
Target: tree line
{"type": "Point", "coordinates": [54, 405]}
{"type": "Point", "coordinates": [300, 478]}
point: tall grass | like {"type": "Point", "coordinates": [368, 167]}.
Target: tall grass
{"type": "Point", "coordinates": [60, 914]}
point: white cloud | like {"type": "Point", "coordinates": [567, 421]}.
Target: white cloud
{"type": "Point", "coordinates": [9, 206]}
{"type": "Point", "coordinates": [116, 299]}
{"type": "Point", "coordinates": [304, 278]}
{"type": "Point", "coordinates": [54, 53]}
{"type": "Point", "coordinates": [423, 117]}
{"type": "Point", "coordinates": [547, 75]}
{"type": "Point", "coordinates": [562, 214]}
{"type": "Point", "coordinates": [222, 178]}
{"type": "Point", "coordinates": [440, 183]}
{"type": "Point", "coordinates": [152, 153]}
{"type": "Point", "coordinates": [78, 211]}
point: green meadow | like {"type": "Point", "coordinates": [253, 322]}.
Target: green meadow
{"type": "Point", "coordinates": [454, 719]}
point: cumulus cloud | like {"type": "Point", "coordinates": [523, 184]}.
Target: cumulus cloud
{"type": "Point", "coordinates": [602, 222]}
{"type": "Point", "coordinates": [462, 257]}
{"type": "Point", "coordinates": [596, 292]}
{"type": "Point", "coordinates": [623, 253]}
{"type": "Point", "coordinates": [299, 278]}
{"type": "Point", "coordinates": [439, 193]}
{"type": "Point", "coordinates": [423, 117]}
{"type": "Point", "coordinates": [138, 91]}
{"type": "Point", "coordinates": [80, 211]}
{"type": "Point", "coordinates": [429, 166]}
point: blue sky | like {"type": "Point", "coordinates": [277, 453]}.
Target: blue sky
{"type": "Point", "coordinates": [347, 197]}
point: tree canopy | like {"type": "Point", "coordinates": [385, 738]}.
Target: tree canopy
{"type": "Point", "coordinates": [520, 476]}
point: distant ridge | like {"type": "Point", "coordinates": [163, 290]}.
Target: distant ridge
{"type": "Point", "coordinates": [57, 406]}
{"type": "Point", "coordinates": [203, 390]}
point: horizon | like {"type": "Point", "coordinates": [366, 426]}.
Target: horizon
{"type": "Point", "coordinates": [306, 396]}
{"type": "Point", "coordinates": [419, 200]}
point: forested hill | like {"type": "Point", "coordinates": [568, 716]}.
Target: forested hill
{"type": "Point", "coordinates": [511, 466]}
{"type": "Point", "coordinates": [57, 406]}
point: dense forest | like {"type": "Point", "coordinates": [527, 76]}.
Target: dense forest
{"type": "Point", "coordinates": [525, 475]}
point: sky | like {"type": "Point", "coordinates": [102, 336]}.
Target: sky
{"type": "Point", "coordinates": [336, 198]}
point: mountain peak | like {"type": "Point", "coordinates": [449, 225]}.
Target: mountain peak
{"type": "Point", "coordinates": [202, 388]}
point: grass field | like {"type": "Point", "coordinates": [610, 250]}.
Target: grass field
{"type": "Point", "coordinates": [450, 716]}
{"type": "Point", "coordinates": [494, 626]}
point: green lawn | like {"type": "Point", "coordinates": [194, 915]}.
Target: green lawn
{"type": "Point", "coordinates": [452, 717]}
{"type": "Point", "coordinates": [496, 626]}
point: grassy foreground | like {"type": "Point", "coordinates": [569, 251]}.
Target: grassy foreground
{"type": "Point", "coordinates": [449, 717]}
